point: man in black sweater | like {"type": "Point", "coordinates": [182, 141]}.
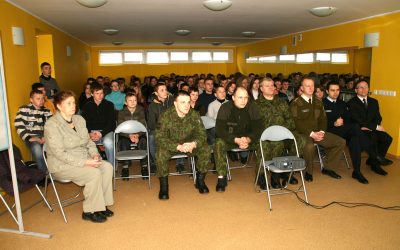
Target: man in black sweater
{"type": "Point", "coordinates": [339, 123]}
{"type": "Point", "coordinates": [364, 111]}
{"type": "Point", "coordinates": [238, 125]}
{"type": "Point", "coordinates": [207, 96]}
{"type": "Point", "coordinates": [100, 120]}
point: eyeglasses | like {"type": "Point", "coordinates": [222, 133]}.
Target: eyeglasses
{"type": "Point", "coordinates": [362, 87]}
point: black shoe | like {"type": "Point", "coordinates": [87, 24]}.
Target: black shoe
{"type": "Point", "coordinates": [275, 181]}
{"type": "Point", "coordinates": [94, 217]}
{"type": "Point", "coordinates": [261, 182]}
{"type": "Point", "coordinates": [308, 177]}
{"type": "Point", "coordinates": [107, 213]}
{"type": "Point", "coordinates": [243, 160]}
{"type": "Point", "coordinates": [383, 161]}
{"type": "Point", "coordinates": [200, 185]}
{"type": "Point", "coordinates": [285, 177]}
{"type": "Point", "coordinates": [378, 170]}
{"type": "Point", "coordinates": [233, 156]}
{"type": "Point", "coordinates": [145, 172]}
{"type": "Point", "coordinates": [125, 174]}
{"type": "Point", "coordinates": [221, 184]}
{"type": "Point", "coordinates": [331, 173]}
{"type": "Point", "coordinates": [359, 177]}
{"type": "Point", "coordinates": [180, 168]}
{"type": "Point", "coordinates": [163, 194]}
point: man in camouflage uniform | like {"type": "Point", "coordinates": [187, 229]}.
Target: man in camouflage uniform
{"type": "Point", "coordinates": [237, 126]}
{"type": "Point", "coordinates": [310, 119]}
{"type": "Point", "coordinates": [180, 130]}
{"type": "Point", "coordinates": [275, 111]}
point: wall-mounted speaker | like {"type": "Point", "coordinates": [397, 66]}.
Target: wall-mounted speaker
{"type": "Point", "coordinates": [246, 55]}
{"type": "Point", "coordinates": [18, 36]}
{"type": "Point", "coordinates": [371, 39]}
{"type": "Point", "coordinates": [294, 40]}
{"type": "Point", "coordinates": [283, 50]}
{"type": "Point", "coordinates": [69, 51]}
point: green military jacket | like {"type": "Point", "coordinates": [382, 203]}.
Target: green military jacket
{"type": "Point", "coordinates": [173, 130]}
{"type": "Point", "coordinates": [308, 117]}
{"type": "Point", "coordinates": [275, 112]}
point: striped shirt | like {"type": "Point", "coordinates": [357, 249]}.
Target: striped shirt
{"type": "Point", "coordinates": [30, 121]}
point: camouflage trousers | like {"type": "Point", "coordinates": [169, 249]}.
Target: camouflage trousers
{"type": "Point", "coordinates": [273, 149]}
{"type": "Point", "coordinates": [220, 149]}
{"type": "Point", "coordinates": [201, 152]}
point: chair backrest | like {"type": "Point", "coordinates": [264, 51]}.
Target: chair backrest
{"type": "Point", "coordinates": [277, 133]}
{"type": "Point", "coordinates": [208, 122]}
{"type": "Point", "coordinates": [130, 127]}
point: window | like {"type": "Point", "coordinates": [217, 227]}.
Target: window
{"type": "Point", "coordinates": [267, 59]}
{"type": "Point", "coordinates": [323, 57]}
{"type": "Point", "coordinates": [221, 56]}
{"type": "Point", "coordinates": [179, 56]}
{"type": "Point", "coordinates": [201, 56]}
{"type": "Point", "coordinates": [157, 57]}
{"type": "Point", "coordinates": [133, 57]}
{"type": "Point", "coordinates": [110, 57]}
{"type": "Point", "coordinates": [252, 60]}
{"type": "Point", "coordinates": [287, 58]}
{"type": "Point", "coordinates": [305, 58]}
{"type": "Point", "coordinates": [339, 58]}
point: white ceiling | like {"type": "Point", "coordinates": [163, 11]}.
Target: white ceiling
{"type": "Point", "coordinates": [150, 22]}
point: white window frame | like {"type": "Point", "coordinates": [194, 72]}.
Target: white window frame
{"type": "Point", "coordinates": [157, 51]}
{"type": "Point", "coordinates": [110, 52]}
{"type": "Point", "coordinates": [179, 61]}
{"type": "Point", "coordinates": [313, 58]}
{"type": "Point", "coordinates": [286, 60]}
{"type": "Point", "coordinates": [201, 61]}
{"type": "Point", "coordinates": [230, 56]}
{"type": "Point", "coordinates": [340, 52]}
{"type": "Point", "coordinates": [134, 51]}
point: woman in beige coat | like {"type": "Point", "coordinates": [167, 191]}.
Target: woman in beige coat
{"type": "Point", "coordinates": [72, 155]}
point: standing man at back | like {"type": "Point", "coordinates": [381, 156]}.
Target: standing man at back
{"type": "Point", "coordinates": [310, 120]}
{"type": "Point", "coordinates": [49, 83]}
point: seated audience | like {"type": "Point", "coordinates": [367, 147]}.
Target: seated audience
{"type": "Point", "coordinates": [47, 103]}
{"type": "Point", "coordinates": [254, 89]}
{"type": "Point", "coordinates": [230, 89]}
{"type": "Point", "coordinates": [237, 126]}
{"type": "Point", "coordinates": [29, 122]}
{"type": "Point", "coordinates": [180, 130]}
{"type": "Point", "coordinates": [132, 111]}
{"type": "Point", "coordinates": [72, 155]}
{"type": "Point", "coordinates": [85, 96]}
{"type": "Point", "coordinates": [194, 101]}
{"type": "Point", "coordinates": [100, 120]}
{"type": "Point", "coordinates": [319, 92]}
{"type": "Point", "coordinates": [207, 96]}
{"type": "Point", "coordinates": [286, 91]}
{"type": "Point", "coordinates": [364, 111]}
{"type": "Point", "coordinates": [310, 119]}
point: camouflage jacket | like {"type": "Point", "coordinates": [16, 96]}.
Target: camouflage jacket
{"type": "Point", "coordinates": [173, 130]}
{"type": "Point", "coordinates": [275, 112]}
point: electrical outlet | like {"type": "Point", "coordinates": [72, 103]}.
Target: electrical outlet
{"type": "Point", "coordinates": [384, 92]}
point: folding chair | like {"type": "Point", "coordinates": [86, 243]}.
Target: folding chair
{"type": "Point", "coordinates": [61, 203]}
{"type": "Point", "coordinates": [192, 164]}
{"type": "Point", "coordinates": [279, 133]}
{"type": "Point", "coordinates": [131, 127]}
{"type": "Point", "coordinates": [320, 157]}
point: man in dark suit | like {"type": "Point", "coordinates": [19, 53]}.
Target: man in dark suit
{"type": "Point", "coordinates": [364, 111]}
{"type": "Point", "coordinates": [339, 123]}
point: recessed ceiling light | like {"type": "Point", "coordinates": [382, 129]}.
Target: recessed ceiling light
{"type": "Point", "coordinates": [92, 3]}
{"type": "Point", "coordinates": [217, 5]}
{"type": "Point", "coordinates": [182, 32]}
{"type": "Point", "coordinates": [111, 31]}
{"type": "Point", "coordinates": [248, 33]}
{"type": "Point", "coordinates": [216, 43]}
{"type": "Point", "coordinates": [168, 43]}
{"type": "Point", "coordinates": [117, 43]}
{"type": "Point", "coordinates": [323, 11]}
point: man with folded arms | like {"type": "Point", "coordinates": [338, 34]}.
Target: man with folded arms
{"type": "Point", "coordinates": [310, 120]}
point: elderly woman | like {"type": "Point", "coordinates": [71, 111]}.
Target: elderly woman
{"type": "Point", "coordinates": [72, 155]}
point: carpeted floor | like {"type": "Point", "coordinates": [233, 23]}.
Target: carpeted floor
{"type": "Point", "coordinates": [236, 219]}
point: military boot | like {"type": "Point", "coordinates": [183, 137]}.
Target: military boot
{"type": "Point", "coordinates": [221, 184]}
{"type": "Point", "coordinates": [163, 195]}
{"type": "Point", "coordinates": [200, 185]}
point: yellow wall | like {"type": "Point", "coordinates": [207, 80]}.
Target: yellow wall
{"type": "Point", "coordinates": [362, 61]}
{"type": "Point", "coordinates": [142, 70]}
{"type": "Point", "coordinates": [45, 52]}
{"type": "Point", "coordinates": [384, 66]}
{"type": "Point", "coordinates": [21, 62]}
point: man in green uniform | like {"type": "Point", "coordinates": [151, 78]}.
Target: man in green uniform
{"type": "Point", "coordinates": [237, 126]}
{"type": "Point", "coordinates": [310, 119]}
{"type": "Point", "coordinates": [180, 130]}
{"type": "Point", "coordinates": [275, 111]}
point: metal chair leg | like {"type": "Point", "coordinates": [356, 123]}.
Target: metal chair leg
{"type": "Point", "coordinates": [304, 186]}
{"type": "Point", "coordinates": [58, 199]}
{"type": "Point", "coordinates": [345, 158]}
